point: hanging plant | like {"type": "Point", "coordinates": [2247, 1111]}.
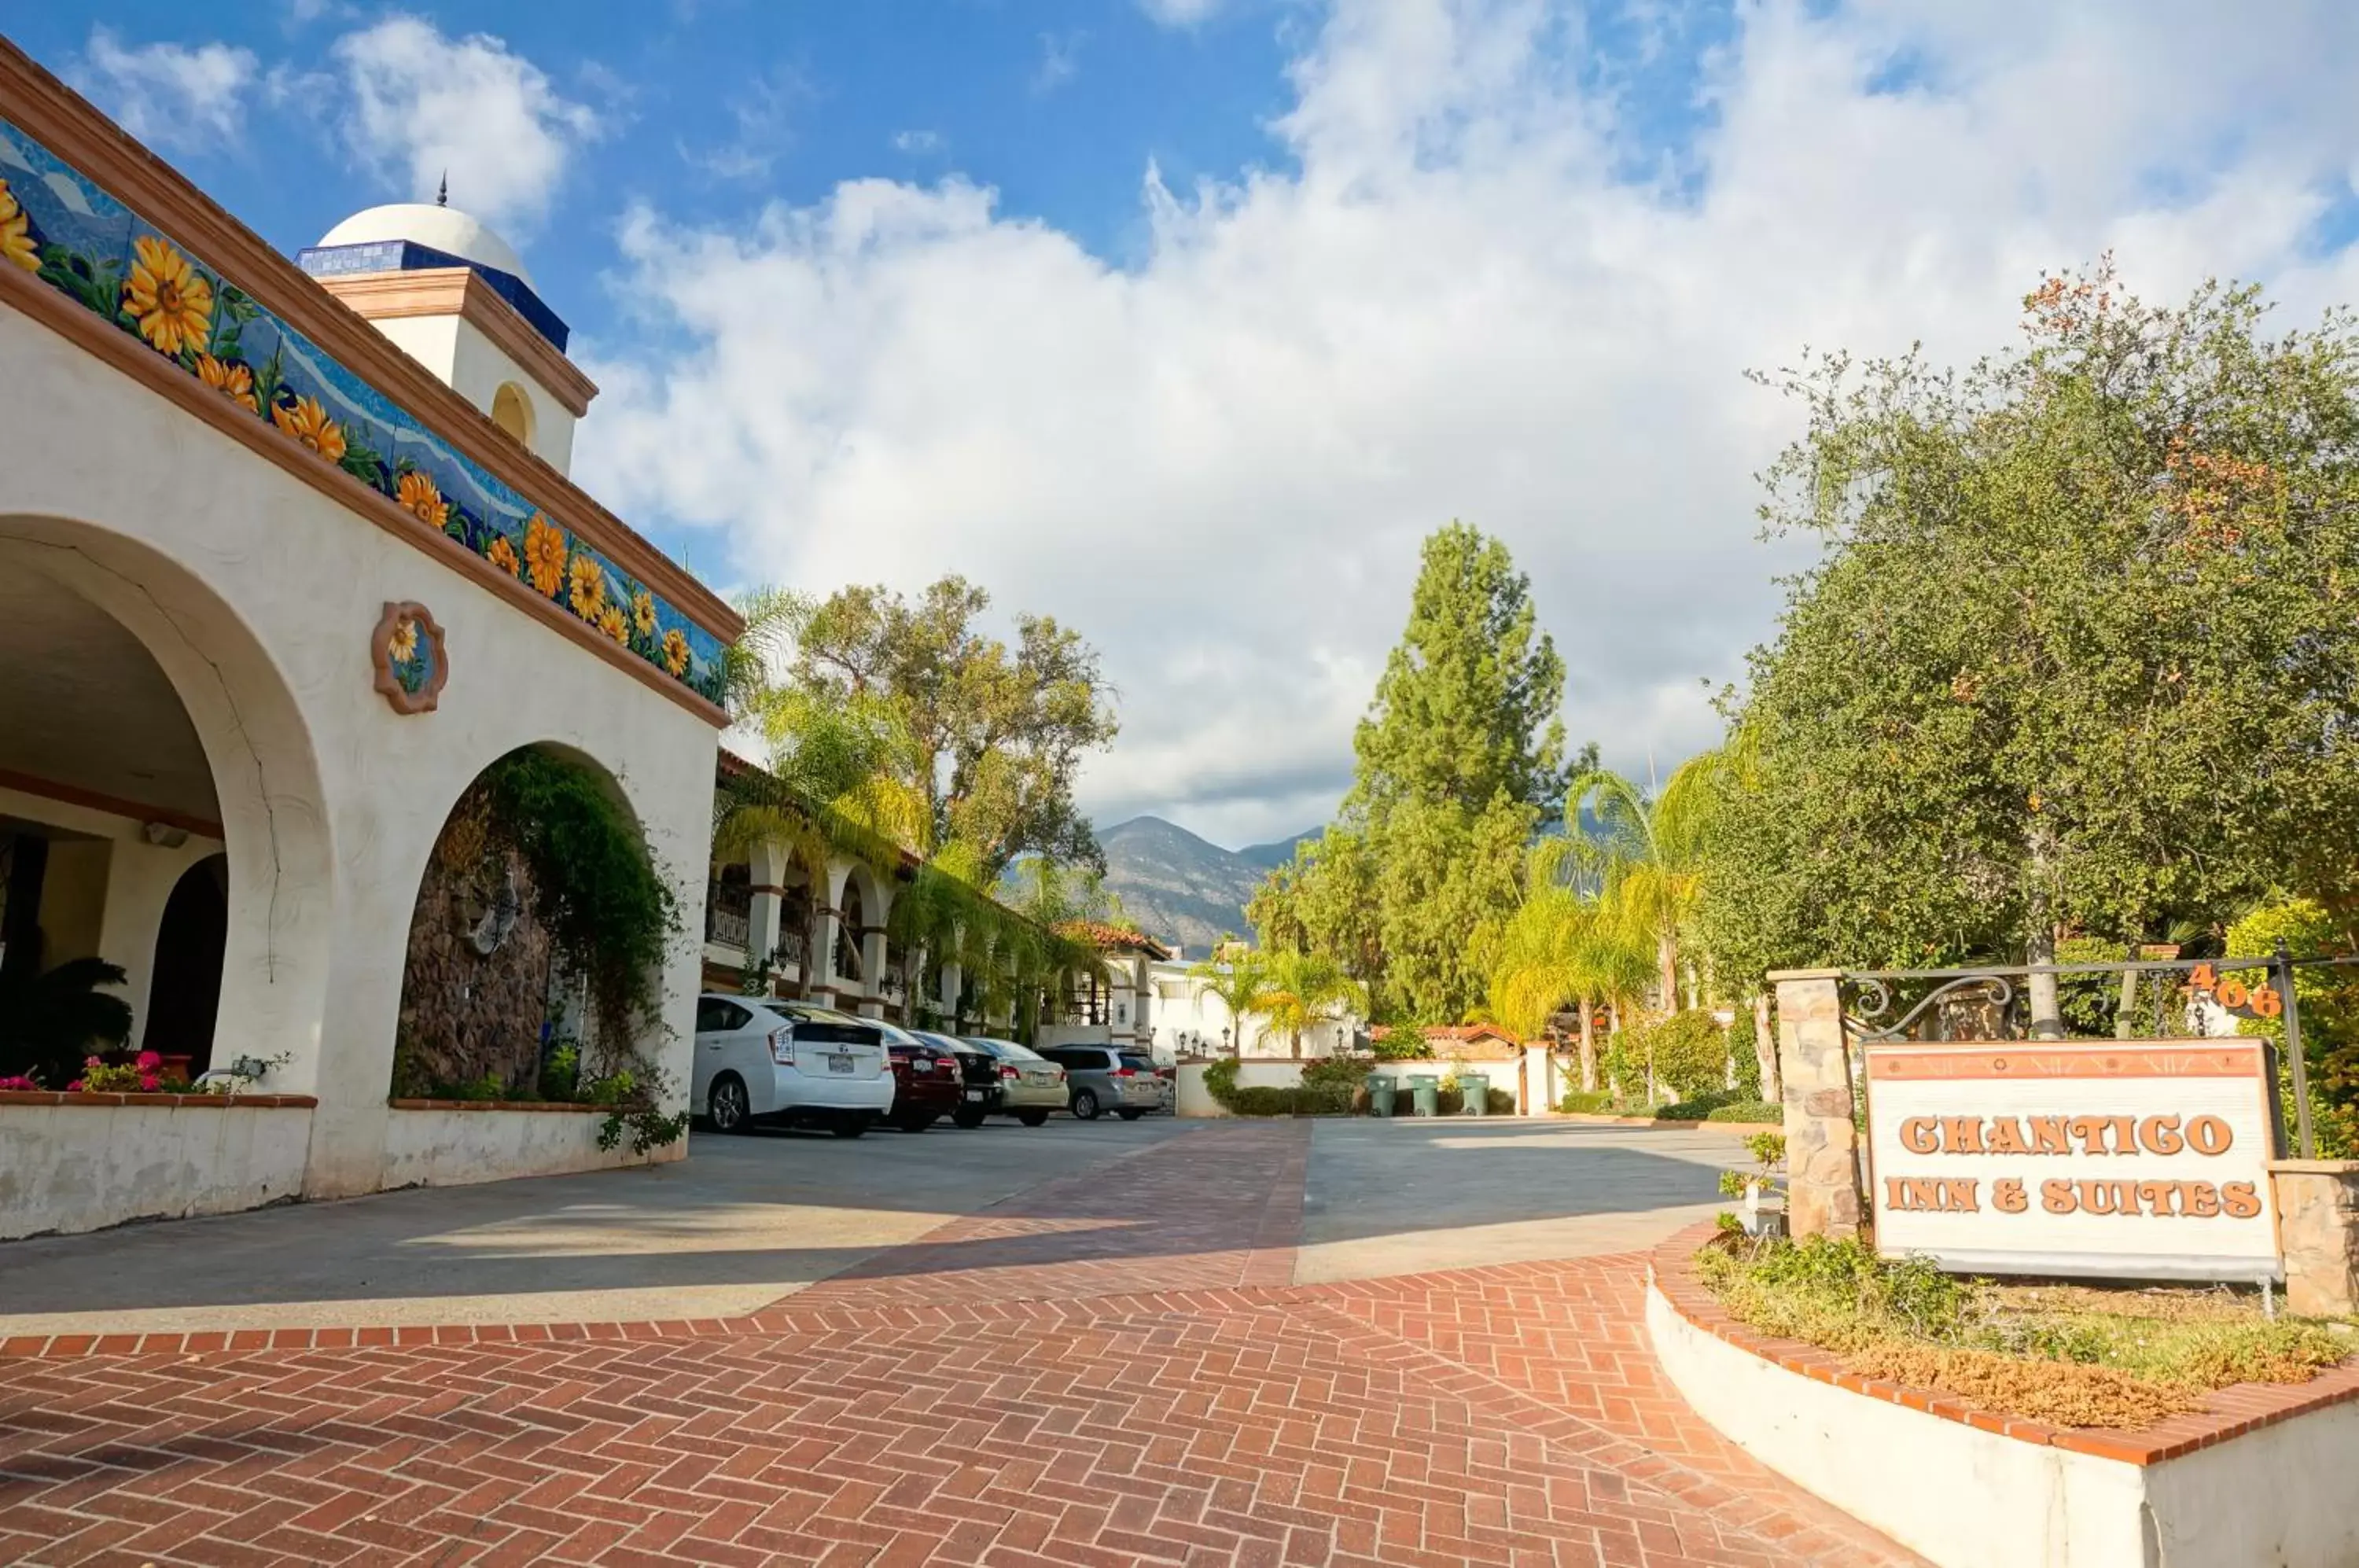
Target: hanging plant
{"type": "Point", "coordinates": [610, 917]}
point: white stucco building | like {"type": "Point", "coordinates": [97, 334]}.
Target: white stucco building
{"type": "Point", "coordinates": [1187, 1020]}
{"type": "Point", "coordinates": [288, 556]}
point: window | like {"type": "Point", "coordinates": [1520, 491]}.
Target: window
{"type": "Point", "coordinates": [512, 411]}
{"type": "Point", "coordinates": [1138, 1063]}
{"type": "Point", "coordinates": [715, 1016]}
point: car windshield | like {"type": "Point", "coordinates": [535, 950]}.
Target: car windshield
{"type": "Point", "coordinates": [1136, 1063]}
{"type": "Point", "coordinates": [1008, 1049]}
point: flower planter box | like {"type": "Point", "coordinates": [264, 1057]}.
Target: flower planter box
{"type": "Point", "coordinates": [2260, 1475]}
{"type": "Point", "coordinates": [78, 1162]}
{"type": "Point", "coordinates": [444, 1143]}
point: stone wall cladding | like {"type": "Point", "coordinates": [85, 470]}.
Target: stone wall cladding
{"type": "Point", "coordinates": [466, 1015]}
{"type": "Point", "coordinates": [2318, 1233]}
{"type": "Point", "coordinates": [1822, 1144]}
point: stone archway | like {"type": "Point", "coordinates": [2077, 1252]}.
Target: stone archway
{"type": "Point", "coordinates": [489, 1000]}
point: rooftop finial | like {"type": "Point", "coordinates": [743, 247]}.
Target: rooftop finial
{"type": "Point", "coordinates": [442, 196]}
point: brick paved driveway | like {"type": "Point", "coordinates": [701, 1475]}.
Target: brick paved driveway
{"type": "Point", "coordinates": [1109, 1367]}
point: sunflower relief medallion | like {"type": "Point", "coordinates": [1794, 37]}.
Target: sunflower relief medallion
{"type": "Point", "coordinates": [407, 652]}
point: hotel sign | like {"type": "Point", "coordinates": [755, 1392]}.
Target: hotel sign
{"type": "Point", "coordinates": [2112, 1159]}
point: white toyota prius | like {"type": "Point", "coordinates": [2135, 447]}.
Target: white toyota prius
{"type": "Point", "coordinates": [766, 1060]}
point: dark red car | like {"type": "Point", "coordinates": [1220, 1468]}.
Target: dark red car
{"type": "Point", "coordinates": [925, 1082]}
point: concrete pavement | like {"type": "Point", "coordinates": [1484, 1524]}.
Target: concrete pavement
{"type": "Point", "coordinates": [740, 1223]}
{"type": "Point", "coordinates": [1410, 1196]}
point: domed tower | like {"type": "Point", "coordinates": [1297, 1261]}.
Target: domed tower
{"type": "Point", "coordinates": [456, 295]}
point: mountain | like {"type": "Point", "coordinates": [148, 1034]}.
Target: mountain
{"type": "Point", "coordinates": [1178, 887]}
{"type": "Point", "coordinates": [1270, 857]}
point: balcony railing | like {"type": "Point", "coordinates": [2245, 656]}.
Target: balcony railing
{"type": "Point", "coordinates": [728, 913]}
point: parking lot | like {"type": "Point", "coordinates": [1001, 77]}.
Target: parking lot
{"type": "Point", "coordinates": [1153, 1342]}
{"type": "Point", "coordinates": [740, 1223]}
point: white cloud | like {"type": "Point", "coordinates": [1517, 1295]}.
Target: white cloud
{"type": "Point", "coordinates": [170, 95]}
{"type": "Point", "coordinates": [1180, 13]}
{"type": "Point", "coordinates": [918, 143]}
{"type": "Point", "coordinates": [421, 103]}
{"type": "Point", "coordinates": [764, 115]}
{"type": "Point", "coordinates": [1218, 462]}
{"type": "Point", "coordinates": [1060, 61]}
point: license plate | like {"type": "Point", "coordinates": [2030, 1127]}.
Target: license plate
{"type": "Point", "coordinates": [839, 1064]}
{"type": "Point", "coordinates": [974, 1094]}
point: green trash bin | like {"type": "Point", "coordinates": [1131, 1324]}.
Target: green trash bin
{"type": "Point", "coordinates": [1382, 1090]}
{"type": "Point", "coordinates": [1476, 1087]}
{"type": "Point", "coordinates": [1425, 1093]}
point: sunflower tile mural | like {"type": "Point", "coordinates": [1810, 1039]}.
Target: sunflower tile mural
{"type": "Point", "coordinates": [60, 227]}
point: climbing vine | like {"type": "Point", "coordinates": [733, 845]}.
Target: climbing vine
{"type": "Point", "coordinates": [609, 915]}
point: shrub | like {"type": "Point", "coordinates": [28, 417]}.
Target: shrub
{"type": "Point", "coordinates": [1748, 1111]}
{"type": "Point", "coordinates": [1744, 1054]}
{"type": "Point", "coordinates": [1502, 1104]}
{"type": "Point", "coordinates": [1696, 1108]}
{"type": "Point", "coordinates": [561, 1075]}
{"type": "Point", "coordinates": [1261, 1102]}
{"type": "Point", "coordinates": [1596, 1102]}
{"type": "Point", "coordinates": [1690, 1052]}
{"type": "Point", "coordinates": [1323, 1099]}
{"type": "Point", "coordinates": [1345, 1073]}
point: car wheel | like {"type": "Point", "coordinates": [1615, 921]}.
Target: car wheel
{"type": "Point", "coordinates": [1085, 1104]}
{"type": "Point", "coordinates": [1032, 1118]}
{"type": "Point", "coordinates": [915, 1123]}
{"type": "Point", "coordinates": [969, 1120]}
{"type": "Point", "coordinates": [725, 1105]}
{"type": "Point", "coordinates": [849, 1127]}
{"type": "Point", "coordinates": [1130, 1116]}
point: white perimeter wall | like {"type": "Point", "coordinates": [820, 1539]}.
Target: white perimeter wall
{"type": "Point", "coordinates": [257, 594]}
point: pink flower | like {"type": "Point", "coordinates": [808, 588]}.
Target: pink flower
{"type": "Point", "coordinates": [91, 1062]}
{"type": "Point", "coordinates": [149, 1061]}
{"type": "Point", "coordinates": [149, 1083]}
{"type": "Point", "coordinates": [18, 1086]}
{"type": "Point", "coordinates": [74, 1088]}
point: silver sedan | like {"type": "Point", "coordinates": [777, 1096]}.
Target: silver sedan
{"type": "Point", "coordinates": [1031, 1085]}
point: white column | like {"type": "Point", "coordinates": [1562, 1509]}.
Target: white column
{"type": "Point", "coordinates": [819, 964]}
{"type": "Point", "coordinates": [872, 973]}
{"type": "Point", "coordinates": [767, 871]}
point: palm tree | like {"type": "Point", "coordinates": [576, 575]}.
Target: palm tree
{"type": "Point", "coordinates": [1306, 989]}
{"type": "Point", "coordinates": [1241, 983]}
{"type": "Point", "coordinates": [1646, 854]}
{"type": "Point", "coordinates": [1565, 945]}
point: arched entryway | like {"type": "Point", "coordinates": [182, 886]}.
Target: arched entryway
{"type": "Point", "coordinates": [535, 944]}
{"type": "Point", "coordinates": [145, 732]}
{"type": "Point", "coordinates": [184, 994]}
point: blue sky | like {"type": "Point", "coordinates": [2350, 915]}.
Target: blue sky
{"type": "Point", "coordinates": [710, 107]}
{"type": "Point", "coordinates": [1184, 320]}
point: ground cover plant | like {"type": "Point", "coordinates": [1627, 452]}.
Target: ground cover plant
{"type": "Point", "coordinates": [2067, 1355]}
